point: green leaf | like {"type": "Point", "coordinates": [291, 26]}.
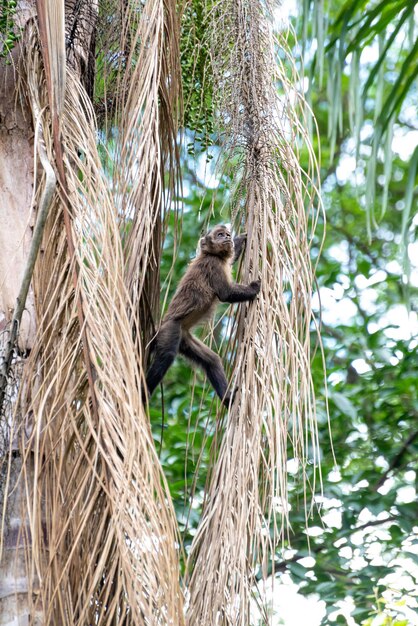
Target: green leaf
{"type": "Point", "coordinates": [409, 194]}
{"type": "Point", "coordinates": [344, 404]}
{"type": "Point", "coordinates": [297, 570]}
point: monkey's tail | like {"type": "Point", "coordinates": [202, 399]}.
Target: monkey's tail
{"type": "Point", "coordinates": [152, 345]}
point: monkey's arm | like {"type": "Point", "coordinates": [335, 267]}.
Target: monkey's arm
{"type": "Point", "coordinates": [233, 292]}
{"type": "Point", "coordinates": [238, 245]}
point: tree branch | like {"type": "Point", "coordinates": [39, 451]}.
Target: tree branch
{"type": "Point", "coordinates": [396, 461]}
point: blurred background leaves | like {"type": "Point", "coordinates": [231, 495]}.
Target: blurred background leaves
{"type": "Point", "coordinates": [361, 63]}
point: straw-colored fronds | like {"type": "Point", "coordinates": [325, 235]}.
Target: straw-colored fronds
{"type": "Point", "coordinates": [147, 111]}
{"type": "Point", "coordinates": [51, 16]}
{"type": "Point", "coordinates": [262, 123]}
{"type": "Point", "coordinates": [103, 545]}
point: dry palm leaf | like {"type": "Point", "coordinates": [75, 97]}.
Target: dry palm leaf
{"type": "Point", "coordinates": [145, 179]}
{"type": "Point", "coordinates": [262, 123]}
{"type": "Point", "coordinates": [103, 537]}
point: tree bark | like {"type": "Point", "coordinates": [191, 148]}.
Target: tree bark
{"type": "Point", "coordinates": [16, 188]}
{"type": "Point", "coordinates": [17, 589]}
{"type": "Point", "coordinates": [16, 225]}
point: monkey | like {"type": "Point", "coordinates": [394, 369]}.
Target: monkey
{"type": "Point", "coordinates": [206, 282]}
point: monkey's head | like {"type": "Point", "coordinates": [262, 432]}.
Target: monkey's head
{"type": "Point", "coordinates": [218, 242]}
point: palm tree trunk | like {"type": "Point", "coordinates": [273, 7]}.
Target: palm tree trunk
{"type": "Point", "coordinates": [17, 587]}
{"type": "Point", "coordinates": [16, 221]}
{"type": "Point", "coordinates": [16, 188]}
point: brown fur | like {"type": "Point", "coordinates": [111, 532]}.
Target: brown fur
{"type": "Point", "coordinates": [206, 282]}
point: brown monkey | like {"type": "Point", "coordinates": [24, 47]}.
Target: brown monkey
{"type": "Point", "coordinates": [206, 282]}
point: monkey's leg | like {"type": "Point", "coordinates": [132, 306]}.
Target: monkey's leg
{"type": "Point", "coordinates": [166, 347]}
{"type": "Point", "coordinates": [198, 353]}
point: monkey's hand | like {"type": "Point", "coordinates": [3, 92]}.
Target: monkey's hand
{"type": "Point", "coordinates": [234, 292]}
{"type": "Point", "coordinates": [255, 286]}
{"type": "Point", "coordinates": [238, 246]}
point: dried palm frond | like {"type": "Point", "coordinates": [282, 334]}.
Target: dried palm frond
{"type": "Point", "coordinates": [102, 533]}
{"type": "Point", "coordinates": [262, 120]}
{"type": "Point", "coordinates": [144, 78]}
{"type": "Point", "coordinates": [51, 17]}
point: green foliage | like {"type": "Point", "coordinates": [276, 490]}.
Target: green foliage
{"type": "Point", "coordinates": [386, 615]}
{"type": "Point", "coordinates": [369, 505]}
{"type": "Point", "coordinates": [8, 34]}
{"type": "Point", "coordinates": [364, 526]}
{"type": "Point", "coordinates": [372, 54]}
{"type": "Point", "coordinates": [196, 76]}
{"type": "Point", "coordinates": [371, 367]}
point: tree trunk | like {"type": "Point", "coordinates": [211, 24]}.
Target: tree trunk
{"type": "Point", "coordinates": [16, 222]}
{"type": "Point", "coordinates": [16, 587]}
{"type": "Point", "coordinates": [16, 187]}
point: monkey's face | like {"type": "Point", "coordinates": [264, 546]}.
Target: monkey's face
{"type": "Point", "coordinates": [218, 242]}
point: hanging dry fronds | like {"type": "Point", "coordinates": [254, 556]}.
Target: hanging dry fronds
{"type": "Point", "coordinates": [146, 171]}
{"type": "Point", "coordinates": [51, 17]}
{"type": "Point", "coordinates": [262, 124]}
{"type": "Point", "coordinates": [102, 537]}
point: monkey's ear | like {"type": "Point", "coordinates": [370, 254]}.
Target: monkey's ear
{"type": "Point", "coordinates": [201, 245]}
